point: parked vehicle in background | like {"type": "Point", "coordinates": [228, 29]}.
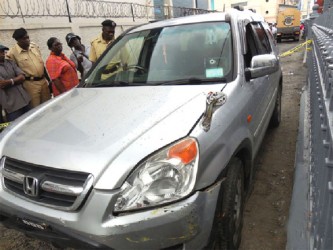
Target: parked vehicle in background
{"type": "Point", "coordinates": [288, 23]}
{"type": "Point", "coordinates": [155, 149]}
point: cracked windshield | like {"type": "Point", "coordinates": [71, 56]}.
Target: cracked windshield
{"type": "Point", "coordinates": [184, 54]}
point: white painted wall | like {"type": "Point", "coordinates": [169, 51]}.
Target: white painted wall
{"type": "Point", "coordinates": [40, 29]}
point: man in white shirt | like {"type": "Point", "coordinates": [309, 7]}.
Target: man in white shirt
{"type": "Point", "coordinates": [80, 55]}
{"type": "Point", "coordinates": [274, 30]}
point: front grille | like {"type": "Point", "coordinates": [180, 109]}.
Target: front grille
{"type": "Point", "coordinates": [57, 188]}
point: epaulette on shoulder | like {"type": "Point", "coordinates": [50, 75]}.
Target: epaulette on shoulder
{"type": "Point", "coordinates": [34, 45]}
{"type": "Point", "coordinates": [94, 40]}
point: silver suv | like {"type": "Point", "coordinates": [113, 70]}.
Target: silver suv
{"type": "Point", "coordinates": [155, 149]}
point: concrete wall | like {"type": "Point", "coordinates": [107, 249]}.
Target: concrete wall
{"type": "Point", "coordinates": [40, 29]}
{"type": "Point", "coordinates": [202, 4]}
{"type": "Point", "coordinates": [42, 32]}
{"type": "Point", "coordinates": [49, 18]}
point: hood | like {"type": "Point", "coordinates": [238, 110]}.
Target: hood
{"type": "Point", "coordinates": [94, 129]}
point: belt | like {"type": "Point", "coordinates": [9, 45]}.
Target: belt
{"type": "Point", "coordinates": [34, 78]}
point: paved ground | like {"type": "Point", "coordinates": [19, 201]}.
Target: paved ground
{"type": "Point", "coordinates": [266, 211]}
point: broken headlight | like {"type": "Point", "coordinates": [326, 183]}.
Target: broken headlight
{"type": "Point", "coordinates": [164, 177]}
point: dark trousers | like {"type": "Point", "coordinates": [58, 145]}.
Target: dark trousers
{"type": "Point", "coordinates": [13, 115]}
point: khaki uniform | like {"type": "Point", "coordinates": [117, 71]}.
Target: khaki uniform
{"type": "Point", "coordinates": [31, 63]}
{"type": "Point", "coordinates": [98, 46]}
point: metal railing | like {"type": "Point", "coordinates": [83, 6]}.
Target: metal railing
{"type": "Point", "coordinates": [315, 183]}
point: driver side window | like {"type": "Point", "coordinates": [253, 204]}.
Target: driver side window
{"type": "Point", "coordinates": [264, 45]}
{"type": "Point", "coordinates": [257, 42]}
{"type": "Point", "coordinates": [252, 46]}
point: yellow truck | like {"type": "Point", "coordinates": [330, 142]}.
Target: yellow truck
{"type": "Point", "coordinates": [288, 23]}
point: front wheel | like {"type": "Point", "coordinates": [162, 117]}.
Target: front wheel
{"type": "Point", "coordinates": [228, 221]}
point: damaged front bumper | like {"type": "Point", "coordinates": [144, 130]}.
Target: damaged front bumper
{"type": "Point", "coordinates": [185, 224]}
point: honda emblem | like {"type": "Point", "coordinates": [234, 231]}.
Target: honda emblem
{"type": "Point", "coordinates": [31, 186]}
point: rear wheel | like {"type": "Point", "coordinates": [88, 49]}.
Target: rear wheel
{"type": "Point", "coordinates": [228, 221]}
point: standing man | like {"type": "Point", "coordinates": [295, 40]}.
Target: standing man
{"type": "Point", "coordinates": [100, 43]}
{"type": "Point", "coordinates": [301, 27]}
{"type": "Point", "coordinates": [13, 98]}
{"type": "Point", "coordinates": [29, 59]}
{"type": "Point", "coordinates": [80, 55]}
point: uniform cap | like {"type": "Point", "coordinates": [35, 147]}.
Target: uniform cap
{"type": "Point", "coordinates": [2, 47]}
{"type": "Point", "coordinates": [109, 23]}
{"type": "Point", "coordinates": [19, 33]}
{"type": "Point", "coordinates": [70, 36]}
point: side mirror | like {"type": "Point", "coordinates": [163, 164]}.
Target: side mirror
{"type": "Point", "coordinates": [262, 65]}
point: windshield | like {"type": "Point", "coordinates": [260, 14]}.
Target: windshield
{"type": "Point", "coordinates": [186, 54]}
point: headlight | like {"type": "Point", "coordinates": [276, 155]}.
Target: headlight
{"type": "Point", "coordinates": [164, 177]}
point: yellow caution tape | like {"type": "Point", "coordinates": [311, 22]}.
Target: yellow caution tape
{"type": "Point", "coordinates": [4, 125]}
{"type": "Point", "coordinates": [297, 48]}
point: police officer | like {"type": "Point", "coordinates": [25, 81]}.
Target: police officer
{"type": "Point", "coordinates": [103, 40]}
{"type": "Point", "coordinates": [29, 59]}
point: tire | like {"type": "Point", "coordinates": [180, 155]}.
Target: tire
{"type": "Point", "coordinates": [228, 221]}
{"type": "Point", "coordinates": [276, 116]}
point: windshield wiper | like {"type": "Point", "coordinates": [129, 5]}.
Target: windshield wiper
{"type": "Point", "coordinates": [193, 80]}
{"type": "Point", "coordinates": [187, 81]}
{"type": "Point", "coordinates": [110, 84]}
{"type": "Point", "coordinates": [122, 84]}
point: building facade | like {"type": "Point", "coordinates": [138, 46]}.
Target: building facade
{"type": "Point", "coordinates": [267, 8]}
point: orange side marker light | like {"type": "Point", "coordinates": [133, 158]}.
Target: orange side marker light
{"type": "Point", "coordinates": [249, 118]}
{"type": "Point", "coordinates": [186, 151]}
